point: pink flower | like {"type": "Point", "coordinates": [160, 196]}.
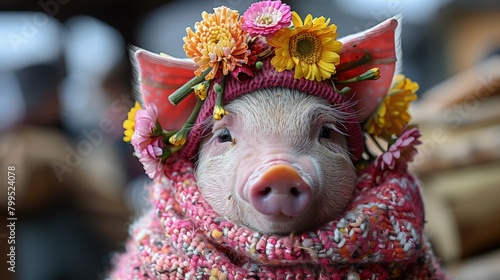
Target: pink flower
{"type": "Point", "coordinates": [401, 152]}
{"type": "Point", "coordinates": [140, 142]}
{"type": "Point", "coordinates": [266, 17]}
{"type": "Point", "coordinates": [145, 124]}
{"type": "Point", "coordinates": [145, 120]}
{"type": "Point", "coordinates": [150, 158]}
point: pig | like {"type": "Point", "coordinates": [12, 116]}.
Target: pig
{"type": "Point", "coordinates": [270, 189]}
{"type": "Point", "coordinates": [278, 162]}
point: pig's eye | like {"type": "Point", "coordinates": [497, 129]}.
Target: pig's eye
{"type": "Point", "coordinates": [325, 132]}
{"type": "Point", "coordinates": [225, 136]}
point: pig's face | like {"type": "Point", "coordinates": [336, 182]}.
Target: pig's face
{"type": "Point", "coordinates": [277, 162]}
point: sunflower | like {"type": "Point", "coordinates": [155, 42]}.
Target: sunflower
{"type": "Point", "coordinates": [392, 114]}
{"type": "Point", "coordinates": [310, 47]}
{"type": "Point", "coordinates": [218, 42]}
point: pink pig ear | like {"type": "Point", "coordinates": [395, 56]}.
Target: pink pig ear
{"type": "Point", "coordinates": [158, 77]}
{"type": "Point", "coordinates": [375, 47]}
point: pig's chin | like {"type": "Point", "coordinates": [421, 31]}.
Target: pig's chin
{"type": "Point", "coordinates": [281, 224]}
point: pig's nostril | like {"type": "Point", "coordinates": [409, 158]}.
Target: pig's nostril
{"type": "Point", "coordinates": [265, 191]}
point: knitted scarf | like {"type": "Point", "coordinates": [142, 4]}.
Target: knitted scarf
{"type": "Point", "coordinates": [379, 236]}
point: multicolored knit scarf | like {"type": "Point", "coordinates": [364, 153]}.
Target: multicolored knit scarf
{"type": "Point", "coordinates": [380, 236]}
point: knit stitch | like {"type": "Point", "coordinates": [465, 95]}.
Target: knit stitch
{"type": "Point", "coordinates": [268, 77]}
{"type": "Point", "coordinates": [379, 236]}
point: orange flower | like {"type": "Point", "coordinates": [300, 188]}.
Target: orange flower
{"type": "Point", "coordinates": [392, 114]}
{"type": "Point", "coordinates": [218, 42]}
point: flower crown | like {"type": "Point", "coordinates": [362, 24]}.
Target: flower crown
{"type": "Point", "coordinates": [226, 44]}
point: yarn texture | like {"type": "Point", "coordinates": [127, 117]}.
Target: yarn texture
{"type": "Point", "coordinates": [268, 77]}
{"type": "Point", "coordinates": [379, 236]}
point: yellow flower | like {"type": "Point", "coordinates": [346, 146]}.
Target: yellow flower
{"type": "Point", "coordinates": [372, 74]}
{"type": "Point", "coordinates": [178, 139]}
{"type": "Point", "coordinates": [219, 112]}
{"type": "Point", "coordinates": [392, 114]}
{"type": "Point", "coordinates": [218, 42]}
{"type": "Point", "coordinates": [129, 123]}
{"type": "Point", "coordinates": [310, 47]}
{"type": "Point", "coordinates": [201, 89]}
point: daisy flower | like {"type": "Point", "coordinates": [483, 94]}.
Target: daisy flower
{"type": "Point", "coordinates": [401, 152]}
{"type": "Point", "coordinates": [146, 127]}
{"type": "Point", "coordinates": [392, 114]}
{"type": "Point", "coordinates": [266, 17]}
{"type": "Point", "coordinates": [151, 160]}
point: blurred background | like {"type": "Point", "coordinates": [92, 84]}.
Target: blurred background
{"type": "Point", "coordinates": [66, 86]}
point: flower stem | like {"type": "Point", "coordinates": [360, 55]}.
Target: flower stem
{"type": "Point", "coordinates": [157, 130]}
{"type": "Point", "coordinates": [343, 91]}
{"type": "Point", "coordinates": [194, 114]}
{"type": "Point", "coordinates": [219, 111]}
{"type": "Point", "coordinates": [167, 134]}
{"type": "Point", "coordinates": [377, 143]}
{"type": "Point", "coordinates": [181, 93]}
{"type": "Point", "coordinates": [167, 152]}
{"type": "Point", "coordinates": [353, 64]}
{"type": "Point", "coordinates": [179, 138]}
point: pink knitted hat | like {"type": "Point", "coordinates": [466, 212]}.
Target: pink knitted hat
{"type": "Point", "coordinates": [268, 77]}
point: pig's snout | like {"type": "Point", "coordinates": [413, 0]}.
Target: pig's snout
{"type": "Point", "coordinates": [280, 190]}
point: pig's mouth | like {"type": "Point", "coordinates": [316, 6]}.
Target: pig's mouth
{"type": "Point", "coordinates": [279, 218]}
{"type": "Point", "coordinates": [281, 225]}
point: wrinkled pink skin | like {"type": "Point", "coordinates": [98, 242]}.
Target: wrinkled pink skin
{"type": "Point", "coordinates": [279, 174]}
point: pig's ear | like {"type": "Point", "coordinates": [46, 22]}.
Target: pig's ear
{"type": "Point", "coordinates": [379, 47]}
{"type": "Point", "coordinates": [157, 77]}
